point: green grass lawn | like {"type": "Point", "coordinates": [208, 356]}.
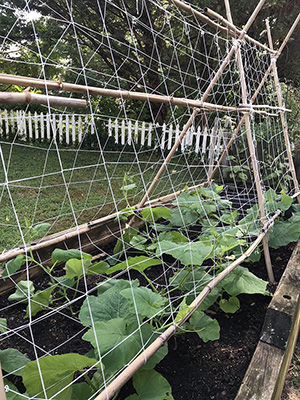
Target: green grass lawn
{"type": "Point", "coordinates": [68, 187]}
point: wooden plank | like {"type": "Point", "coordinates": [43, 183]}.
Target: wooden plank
{"type": "Point", "coordinates": [269, 362]}
{"type": "Point", "coordinates": [262, 373]}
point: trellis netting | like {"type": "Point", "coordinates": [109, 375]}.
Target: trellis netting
{"type": "Point", "coordinates": [115, 217]}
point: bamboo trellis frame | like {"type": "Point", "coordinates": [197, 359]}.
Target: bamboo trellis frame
{"type": "Point", "coordinates": [117, 383]}
{"type": "Point", "coordinates": [140, 360]}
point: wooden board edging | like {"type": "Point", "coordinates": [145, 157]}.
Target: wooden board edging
{"type": "Point", "coordinates": [267, 370]}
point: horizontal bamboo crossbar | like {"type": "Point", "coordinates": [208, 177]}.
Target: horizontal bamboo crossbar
{"type": "Point", "coordinates": [132, 368]}
{"type": "Point", "coordinates": [123, 94]}
{"type": "Point", "coordinates": [32, 98]}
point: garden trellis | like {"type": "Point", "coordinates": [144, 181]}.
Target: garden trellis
{"type": "Point", "coordinates": [128, 220]}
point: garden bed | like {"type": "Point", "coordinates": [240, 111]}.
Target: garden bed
{"type": "Point", "coordinates": [83, 304]}
{"type": "Point", "coordinates": [212, 370]}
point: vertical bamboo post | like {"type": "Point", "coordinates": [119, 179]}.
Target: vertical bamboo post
{"type": "Point", "coordinates": [196, 110]}
{"type": "Point", "coordinates": [263, 81]}
{"type": "Point", "coordinates": [282, 116]}
{"type": "Point", "coordinates": [2, 389]}
{"type": "Point", "coordinates": [252, 154]}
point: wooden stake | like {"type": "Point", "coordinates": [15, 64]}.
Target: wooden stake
{"type": "Point", "coordinates": [32, 98]}
{"type": "Point", "coordinates": [2, 389]}
{"type": "Point", "coordinates": [254, 162]}
{"type": "Point", "coordinates": [135, 365]}
{"type": "Point", "coordinates": [282, 115]}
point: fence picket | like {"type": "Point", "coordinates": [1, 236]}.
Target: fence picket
{"type": "Point", "coordinates": [72, 130]}
{"type": "Point", "coordinates": [67, 129]}
{"type": "Point", "coordinates": [36, 127]}
{"type": "Point", "coordinates": [80, 129]}
{"type": "Point", "coordinates": [29, 119]}
{"type": "Point", "coordinates": [116, 131]}
{"type": "Point", "coordinates": [6, 123]}
{"type": "Point", "coordinates": [143, 133]}
{"type": "Point", "coordinates": [73, 124]}
{"type": "Point", "coordinates": [129, 129]}
{"type": "Point", "coordinates": [42, 122]}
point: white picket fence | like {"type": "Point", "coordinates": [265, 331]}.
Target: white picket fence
{"type": "Point", "coordinates": [71, 129]}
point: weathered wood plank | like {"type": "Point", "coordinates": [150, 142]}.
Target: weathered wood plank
{"type": "Point", "coordinates": [268, 365]}
{"type": "Point", "coordinates": [262, 373]}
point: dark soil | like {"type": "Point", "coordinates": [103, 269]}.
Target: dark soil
{"type": "Point", "coordinates": [195, 370]}
{"type": "Point", "coordinates": [214, 370]}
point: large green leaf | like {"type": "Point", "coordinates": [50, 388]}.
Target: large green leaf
{"type": "Point", "coordinates": [173, 236]}
{"type": "Point", "coordinates": [285, 232]}
{"type": "Point", "coordinates": [190, 281]}
{"type": "Point", "coordinates": [139, 263]}
{"type": "Point", "coordinates": [13, 265]}
{"type": "Point", "coordinates": [118, 341]}
{"type": "Point", "coordinates": [153, 214]}
{"type": "Point", "coordinates": [13, 361]}
{"type": "Point", "coordinates": [188, 253]}
{"type": "Point", "coordinates": [81, 391]}
{"type": "Point", "coordinates": [185, 199]}
{"type": "Point", "coordinates": [22, 289]}
{"type": "Point", "coordinates": [145, 301]}
{"type": "Point", "coordinates": [116, 284]}
{"type": "Point", "coordinates": [39, 301]}
{"type": "Point", "coordinates": [97, 268]}
{"type": "Point", "coordinates": [150, 385]}
{"type": "Point", "coordinates": [241, 280]}
{"type": "Point", "coordinates": [59, 255]}
{"type": "Point", "coordinates": [57, 373]}
{"type": "Point", "coordinates": [110, 305]}
{"type": "Point", "coordinates": [183, 216]}
{"type": "Point", "coordinates": [205, 207]}
{"type": "Point", "coordinates": [40, 230]}
{"type": "Point", "coordinates": [206, 327]}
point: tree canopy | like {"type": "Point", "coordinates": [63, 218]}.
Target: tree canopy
{"type": "Point", "coordinates": [109, 42]}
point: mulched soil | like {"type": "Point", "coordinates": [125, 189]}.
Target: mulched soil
{"type": "Point", "coordinates": [195, 370]}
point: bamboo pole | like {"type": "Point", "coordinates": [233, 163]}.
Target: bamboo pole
{"type": "Point", "coordinates": [254, 161]}
{"type": "Point", "coordinates": [282, 115]}
{"type": "Point", "coordinates": [32, 98]}
{"type": "Point", "coordinates": [203, 99]}
{"type": "Point", "coordinates": [124, 94]}
{"type": "Point", "coordinates": [230, 29]}
{"type": "Point", "coordinates": [135, 365]}
{"type": "Point", "coordinates": [263, 81]}
{"type": "Point", "coordinates": [235, 30]}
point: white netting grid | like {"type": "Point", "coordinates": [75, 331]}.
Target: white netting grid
{"type": "Point", "coordinates": [76, 175]}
